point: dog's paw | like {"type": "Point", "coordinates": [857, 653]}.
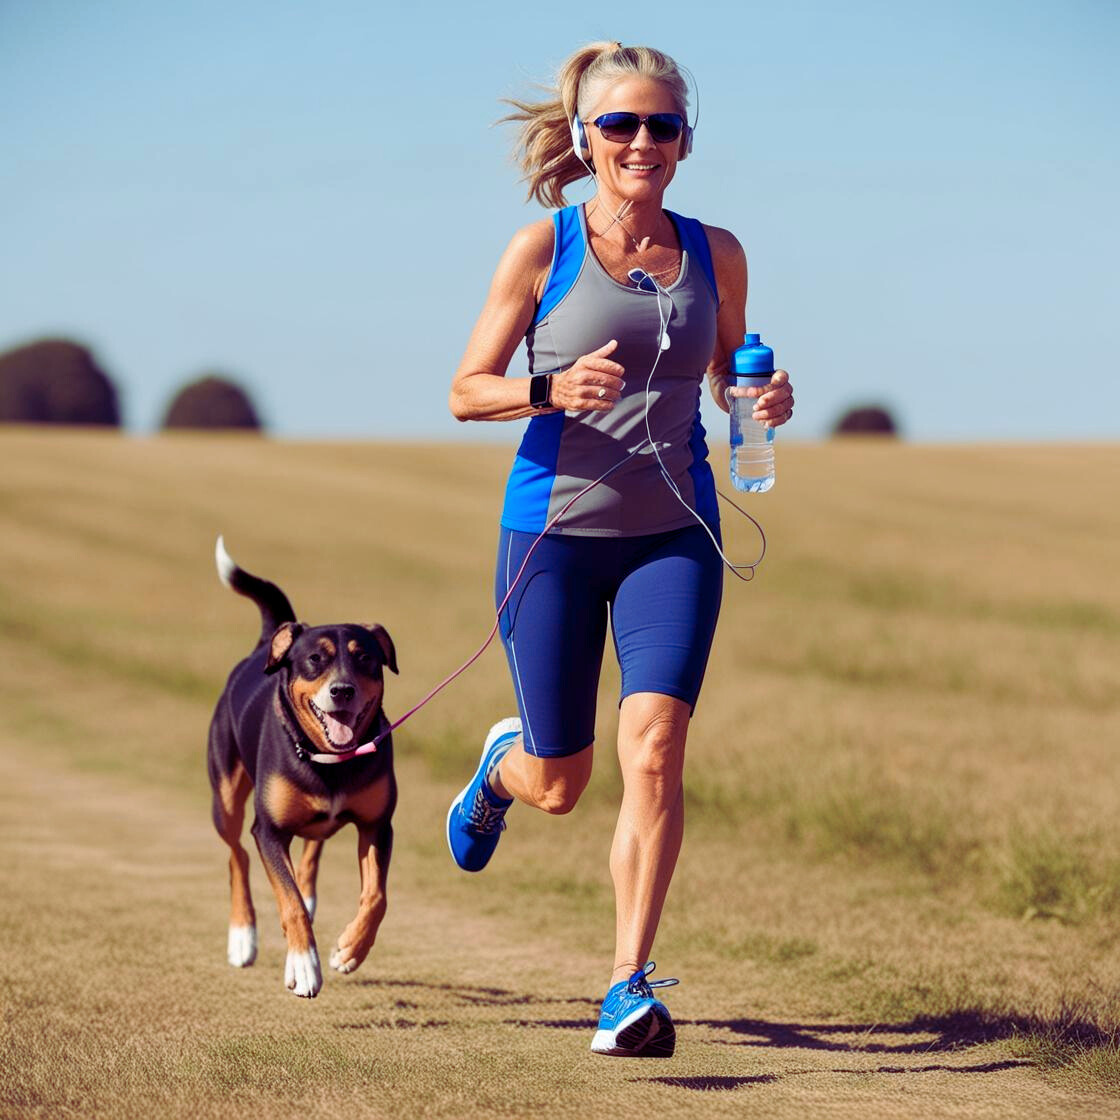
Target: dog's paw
{"type": "Point", "coordinates": [309, 906]}
{"type": "Point", "coordinates": [302, 974]}
{"type": "Point", "coordinates": [352, 949]}
{"type": "Point", "coordinates": [356, 940]}
{"type": "Point", "coordinates": [241, 948]}
{"type": "Point", "coordinates": [343, 959]}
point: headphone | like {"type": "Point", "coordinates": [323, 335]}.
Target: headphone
{"type": "Point", "coordinates": [582, 146]}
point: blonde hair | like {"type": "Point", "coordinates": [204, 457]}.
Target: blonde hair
{"type": "Point", "coordinates": [544, 142]}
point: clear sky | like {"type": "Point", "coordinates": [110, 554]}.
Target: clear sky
{"type": "Point", "coordinates": [310, 197]}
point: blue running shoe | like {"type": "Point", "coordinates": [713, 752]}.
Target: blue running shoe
{"type": "Point", "coordinates": [476, 819]}
{"type": "Point", "coordinates": [633, 1024]}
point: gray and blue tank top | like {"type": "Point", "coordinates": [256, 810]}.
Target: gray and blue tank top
{"type": "Point", "coordinates": [582, 308]}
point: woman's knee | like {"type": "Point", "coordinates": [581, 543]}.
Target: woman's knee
{"type": "Point", "coordinates": [656, 757]}
{"type": "Point", "coordinates": [652, 739]}
{"type": "Point", "coordinates": [559, 797]}
{"type": "Point", "coordinates": [555, 784]}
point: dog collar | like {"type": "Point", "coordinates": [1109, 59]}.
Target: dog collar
{"type": "Point", "coordinates": [291, 727]}
{"type": "Point", "coordinates": [383, 729]}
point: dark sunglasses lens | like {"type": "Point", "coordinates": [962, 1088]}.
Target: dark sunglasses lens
{"type": "Point", "coordinates": [623, 127]}
{"type": "Point", "coordinates": [619, 127]}
{"type": "Point", "coordinates": [664, 127]}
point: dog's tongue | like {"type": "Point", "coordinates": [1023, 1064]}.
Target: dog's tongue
{"type": "Point", "coordinates": [340, 734]}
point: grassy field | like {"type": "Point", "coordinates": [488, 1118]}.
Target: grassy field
{"type": "Point", "coordinates": [900, 888]}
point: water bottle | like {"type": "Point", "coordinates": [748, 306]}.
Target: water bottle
{"type": "Point", "coordinates": [752, 444]}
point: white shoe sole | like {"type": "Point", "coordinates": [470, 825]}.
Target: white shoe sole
{"type": "Point", "coordinates": [645, 1034]}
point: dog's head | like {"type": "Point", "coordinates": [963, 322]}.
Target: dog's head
{"type": "Point", "coordinates": [333, 679]}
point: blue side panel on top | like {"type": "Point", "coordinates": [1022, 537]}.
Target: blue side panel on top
{"type": "Point", "coordinates": [567, 259]}
{"type": "Point", "coordinates": [703, 481]}
{"type": "Point", "coordinates": [694, 241]}
{"type": "Point", "coordinates": [529, 488]}
{"type": "Point", "coordinates": [534, 471]}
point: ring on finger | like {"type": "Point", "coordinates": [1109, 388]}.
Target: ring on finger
{"type": "Point", "coordinates": [602, 393]}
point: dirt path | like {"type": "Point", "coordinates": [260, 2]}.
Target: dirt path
{"type": "Point", "coordinates": [117, 1000]}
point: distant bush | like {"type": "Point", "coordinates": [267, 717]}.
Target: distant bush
{"type": "Point", "coordinates": [866, 420]}
{"type": "Point", "coordinates": [55, 381]}
{"type": "Point", "coordinates": [212, 402]}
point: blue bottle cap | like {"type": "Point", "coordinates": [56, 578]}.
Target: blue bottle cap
{"type": "Point", "coordinates": [752, 359]}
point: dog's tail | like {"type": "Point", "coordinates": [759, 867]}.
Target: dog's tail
{"type": "Point", "coordinates": [273, 603]}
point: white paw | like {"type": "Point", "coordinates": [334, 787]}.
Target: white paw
{"type": "Point", "coordinates": [309, 906]}
{"type": "Point", "coordinates": [241, 948]}
{"type": "Point", "coordinates": [340, 965]}
{"type": "Point", "coordinates": [302, 974]}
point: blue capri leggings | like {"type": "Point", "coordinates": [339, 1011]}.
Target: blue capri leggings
{"type": "Point", "coordinates": [662, 594]}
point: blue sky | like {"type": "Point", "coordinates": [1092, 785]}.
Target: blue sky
{"type": "Point", "coordinates": [311, 198]}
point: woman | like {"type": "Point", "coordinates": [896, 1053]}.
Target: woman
{"type": "Point", "coordinates": [624, 307]}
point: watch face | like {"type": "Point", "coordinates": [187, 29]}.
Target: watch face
{"type": "Point", "coordinates": [538, 391]}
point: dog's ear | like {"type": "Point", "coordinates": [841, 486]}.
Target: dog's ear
{"type": "Point", "coordinates": [381, 636]}
{"type": "Point", "coordinates": [282, 641]}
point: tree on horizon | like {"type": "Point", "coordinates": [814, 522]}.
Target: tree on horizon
{"type": "Point", "coordinates": [56, 381]}
{"type": "Point", "coordinates": [212, 402]}
{"type": "Point", "coordinates": [866, 420]}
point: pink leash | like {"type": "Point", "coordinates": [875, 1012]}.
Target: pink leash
{"type": "Point", "coordinates": [371, 746]}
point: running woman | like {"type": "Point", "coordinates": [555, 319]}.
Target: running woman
{"type": "Point", "coordinates": [624, 306]}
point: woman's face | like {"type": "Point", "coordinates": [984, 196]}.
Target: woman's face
{"type": "Point", "coordinates": [640, 169]}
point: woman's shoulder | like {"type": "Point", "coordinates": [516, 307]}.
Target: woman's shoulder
{"type": "Point", "coordinates": [526, 262]}
{"type": "Point", "coordinates": [729, 262]}
{"type": "Point", "coordinates": [723, 243]}
{"type": "Point", "coordinates": [531, 245]}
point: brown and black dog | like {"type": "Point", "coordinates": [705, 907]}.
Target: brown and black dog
{"type": "Point", "coordinates": [289, 717]}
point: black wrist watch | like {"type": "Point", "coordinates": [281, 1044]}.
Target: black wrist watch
{"type": "Point", "coordinates": [540, 390]}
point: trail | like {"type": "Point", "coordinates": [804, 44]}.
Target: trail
{"type": "Point", "coordinates": [117, 998]}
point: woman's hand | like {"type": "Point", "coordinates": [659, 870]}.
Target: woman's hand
{"type": "Point", "coordinates": [593, 384]}
{"type": "Point", "coordinates": [773, 403]}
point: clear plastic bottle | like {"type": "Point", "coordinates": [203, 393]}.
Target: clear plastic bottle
{"type": "Point", "coordinates": [752, 444]}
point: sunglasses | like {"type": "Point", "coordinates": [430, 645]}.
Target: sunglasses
{"type": "Point", "coordinates": [621, 128]}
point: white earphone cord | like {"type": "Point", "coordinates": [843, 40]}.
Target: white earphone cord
{"type": "Point", "coordinates": [735, 569]}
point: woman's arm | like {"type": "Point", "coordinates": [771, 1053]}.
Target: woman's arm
{"type": "Point", "coordinates": [774, 405]}
{"type": "Point", "coordinates": [480, 389]}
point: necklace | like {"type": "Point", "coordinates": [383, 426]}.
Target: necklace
{"type": "Point", "coordinates": [640, 246]}
{"type": "Point", "coordinates": [619, 220]}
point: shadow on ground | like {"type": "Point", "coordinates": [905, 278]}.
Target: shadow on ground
{"type": "Point", "coordinates": [420, 1004]}
{"type": "Point", "coordinates": [923, 1034]}
{"type": "Point", "coordinates": [726, 1084]}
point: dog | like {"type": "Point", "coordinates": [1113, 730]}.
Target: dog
{"type": "Point", "coordinates": [285, 729]}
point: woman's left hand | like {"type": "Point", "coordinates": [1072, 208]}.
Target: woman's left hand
{"type": "Point", "coordinates": [773, 403]}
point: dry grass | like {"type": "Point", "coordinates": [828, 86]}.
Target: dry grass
{"type": "Point", "coordinates": [900, 889]}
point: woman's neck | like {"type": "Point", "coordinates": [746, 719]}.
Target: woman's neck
{"type": "Point", "coordinates": [631, 225]}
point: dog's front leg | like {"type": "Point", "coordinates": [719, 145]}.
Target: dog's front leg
{"type": "Point", "coordinates": [302, 974]}
{"type": "Point", "coordinates": [375, 847]}
{"type": "Point", "coordinates": [307, 874]}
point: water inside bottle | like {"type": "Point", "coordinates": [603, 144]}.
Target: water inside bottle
{"type": "Point", "coordinates": [752, 463]}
